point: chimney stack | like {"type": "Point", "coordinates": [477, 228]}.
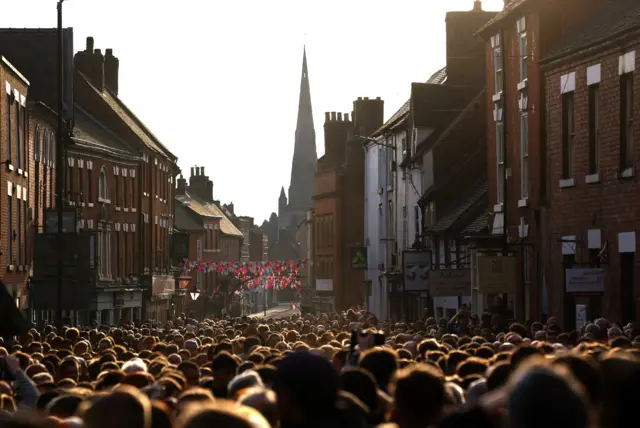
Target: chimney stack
{"type": "Point", "coordinates": [90, 62]}
{"type": "Point", "coordinates": [182, 185]}
{"type": "Point", "coordinates": [477, 6]}
{"type": "Point", "coordinates": [111, 67]}
{"type": "Point", "coordinates": [192, 174]}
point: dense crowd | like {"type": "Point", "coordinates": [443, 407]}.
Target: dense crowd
{"type": "Point", "coordinates": [332, 370]}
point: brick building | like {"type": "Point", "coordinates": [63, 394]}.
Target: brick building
{"type": "Point", "coordinates": [259, 245]}
{"type": "Point", "coordinates": [590, 77]}
{"type": "Point", "coordinates": [517, 168]}
{"type": "Point", "coordinates": [15, 221]}
{"type": "Point", "coordinates": [339, 202]}
{"type": "Point", "coordinates": [118, 182]}
{"type": "Point", "coordinates": [212, 237]}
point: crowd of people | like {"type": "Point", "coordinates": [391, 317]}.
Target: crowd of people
{"type": "Point", "coordinates": [322, 371]}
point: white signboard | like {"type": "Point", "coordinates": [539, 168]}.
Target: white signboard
{"type": "Point", "coordinates": [417, 265]}
{"type": "Point", "coordinates": [581, 316]}
{"type": "Point", "coordinates": [584, 280]}
{"type": "Point", "coordinates": [324, 284]}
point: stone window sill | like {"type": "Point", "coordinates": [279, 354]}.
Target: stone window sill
{"type": "Point", "coordinates": [628, 172]}
{"type": "Point", "coordinates": [592, 178]}
{"type": "Point", "coordinates": [497, 208]}
{"type": "Point", "coordinates": [523, 203]}
{"type": "Point", "coordinates": [567, 182]}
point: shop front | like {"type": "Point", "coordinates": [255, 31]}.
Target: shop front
{"type": "Point", "coordinates": [450, 289]}
{"type": "Point", "coordinates": [584, 289]}
{"type": "Point", "coordinates": [495, 284]}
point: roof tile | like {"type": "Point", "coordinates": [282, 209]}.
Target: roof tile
{"type": "Point", "coordinates": [615, 18]}
{"type": "Point", "coordinates": [437, 78]}
{"type": "Point", "coordinates": [508, 9]}
{"type": "Point", "coordinates": [209, 209]}
{"type": "Point", "coordinates": [463, 206]}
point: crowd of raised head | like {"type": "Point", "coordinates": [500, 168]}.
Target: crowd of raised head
{"type": "Point", "coordinates": [322, 371]}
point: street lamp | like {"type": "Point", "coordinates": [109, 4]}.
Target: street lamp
{"type": "Point", "coordinates": [195, 293]}
{"type": "Point", "coordinates": [60, 158]}
{"type": "Point", "coordinates": [374, 142]}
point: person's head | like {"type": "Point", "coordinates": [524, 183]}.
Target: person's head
{"type": "Point", "coordinates": [381, 363]}
{"type": "Point", "coordinates": [124, 407]}
{"type": "Point", "coordinates": [247, 379]}
{"type": "Point", "coordinates": [264, 401]}
{"type": "Point", "coordinates": [362, 384]}
{"type": "Point", "coordinates": [419, 396]}
{"type": "Point", "coordinates": [224, 367]}
{"type": "Point", "coordinates": [191, 372]}
{"type": "Point", "coordinates": [69, 369]}
{"type": "Point", "coordinates": [587, 371]}
{"type": "Point", "coordinates": [306, 386]}
{"type": "Point", "coordinates": [497, 375]}
{"type": "Point", "coordinates": [134, 365]}
{"type": "Point", "coordinates": [220, 414]}
{"type": "Point", "coordinates": [545, 395]}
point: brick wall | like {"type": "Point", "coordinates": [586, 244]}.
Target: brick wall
{"type": "Point", "coordinates": [14, 181]}
{"type": "Point", "coordinates": [609, 203]}
{"type": "Point", "coordinates": [42, 135]}
{"type": "Point", "coordinates": [84, 173]}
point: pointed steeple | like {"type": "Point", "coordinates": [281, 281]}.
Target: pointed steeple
{"type": "Point", "coordinates": [305, 156]}
{"type": "Point", "coordinates": [283, 195]}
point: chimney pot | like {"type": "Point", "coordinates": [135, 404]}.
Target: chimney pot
{"type": "Point", "coordinates": [89, 44]}
{"type": "Point", "coordinates": [327, 117]}
{"type": "Point", "coordinates": [333, 115]}
{"type": "Point", "coordinates": [202, 170]}
{"type": "Point", "coordinates": [359, 98]}
{"type": "Point", "coordinates": [339, 117]}
{"type": "Point", "coordinates": [378, 98]}
{"type": "Point", "coordinates": [477, 6]}
{"type": "Point", "coordinates": [98, 52]}
{"type": "Point", "coordinates": [366, 98]}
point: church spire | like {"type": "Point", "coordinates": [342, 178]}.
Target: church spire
{"type": "Point", "coordinates": [305, 156]}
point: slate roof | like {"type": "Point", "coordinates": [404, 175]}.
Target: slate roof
{"type": "Point", "coordinates": [90, 133]}
{"type": "Point", "coordinates": [437, 78]}
{"type": "Point", "coordinates": [614, 19]}
{"type": "Point", "coordinates": [185, 219]}
{"type": "Point", "coordinates": [509, 9]}
{"type": "Point", "coordinates": [131, 120]}
{"type": "Point", "coordinates": [480, 223]}
{"type": "Point", "coordinates": [448, 123]}
{"type": "Point", "coordinates": [209, 209]}
{"type": "Point", "coordinates": [465, 204]}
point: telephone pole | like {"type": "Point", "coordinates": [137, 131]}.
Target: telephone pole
{"type": "Point", "coordinates": [60, 160]}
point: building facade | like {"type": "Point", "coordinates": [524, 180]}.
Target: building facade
{"type": "Point", "coordinates": [339, 203]}
{"type": "Point", "coordinates": [524, 32]}
{"type": "Point", "coordinates": [16, 202]}
{"type": "Point", "coordinates": [410, 160]}
{"type": "Point", "coordinates": [118, 187]}
{"type": "Point", "coordinates": [211, 238]}
{"type": "Point", "coordinates": [590, 78]}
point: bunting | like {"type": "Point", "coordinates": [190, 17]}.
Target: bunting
{"type": "Point", "coordinates": [276, 274]}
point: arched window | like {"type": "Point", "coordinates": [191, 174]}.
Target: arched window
{"type": "Point", "coordinates": [36, 142]}
{"type": "Point", "coordinates": [52, 152]}
{"type": "Point", "coordinates": [45, 147]}
{"type": "Point", "coordinates": [102, 184]}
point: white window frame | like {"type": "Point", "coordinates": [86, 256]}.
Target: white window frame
{"type": "Point", "coordinates": [500, 163]}
{"type": "Point", "coordinates": [524, 48]}
{"type": "Point", "coordinates": [524, 154]}
{"type": "Point", "coordinates": [103, 188]}
{"type": "Point", "coordinates": [497, 64]}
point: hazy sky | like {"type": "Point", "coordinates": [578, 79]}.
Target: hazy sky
{"type": "Point", "coordinates": [217, 81]}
